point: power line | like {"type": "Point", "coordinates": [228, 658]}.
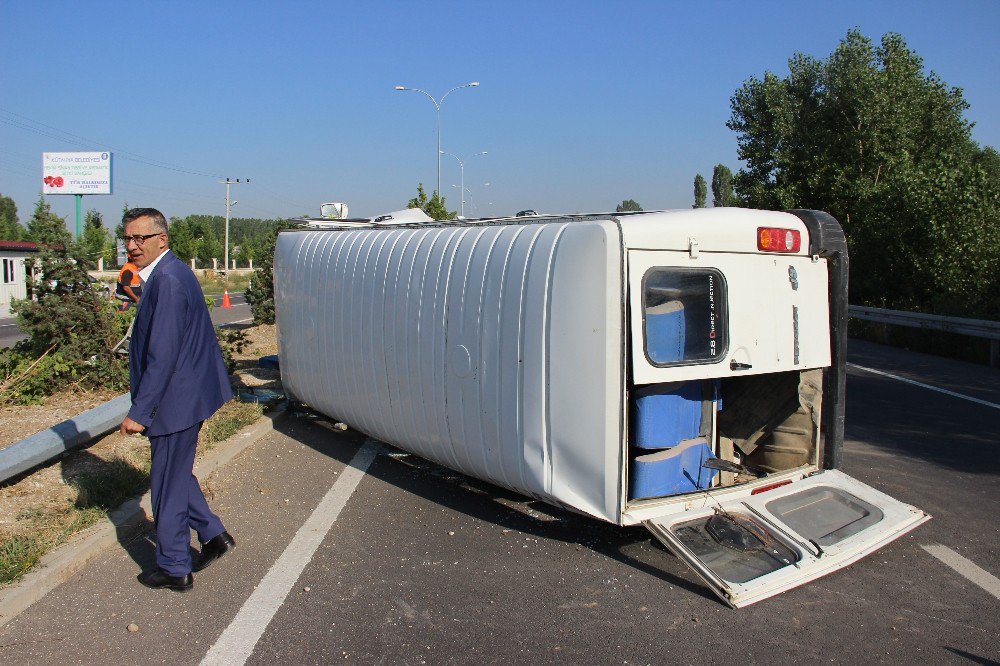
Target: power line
{"type": "Point", "coordinates": [84, 142]}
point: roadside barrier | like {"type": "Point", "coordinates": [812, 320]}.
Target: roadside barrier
{"type": "Point", "coordinates": [978, 328]}
{"type": "Point", "coordinates": [62, 437]}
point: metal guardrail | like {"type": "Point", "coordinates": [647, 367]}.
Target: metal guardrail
{"type": "Point", "coordinates": [978, 328]}
{"type": "Point", "coordinates": [62, 437]}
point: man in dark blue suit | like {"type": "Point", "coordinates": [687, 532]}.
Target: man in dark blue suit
{"type": "Point", "coordinates": [178, 379]}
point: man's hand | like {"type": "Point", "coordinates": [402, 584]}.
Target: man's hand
{"type": "Point", "coordinates": [130, 427]}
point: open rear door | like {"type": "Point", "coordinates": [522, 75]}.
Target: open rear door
{"type": "Point", "coordinates": [757, 546]}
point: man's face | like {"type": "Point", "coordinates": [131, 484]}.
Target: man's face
{"type": "Point", "coordinates": [143, 254]}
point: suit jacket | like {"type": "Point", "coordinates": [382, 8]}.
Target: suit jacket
{"type": "Point", "coordinates": [176, 371]}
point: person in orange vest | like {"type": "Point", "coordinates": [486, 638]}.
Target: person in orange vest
{"type": "Point", "coordinates": [129, 288]}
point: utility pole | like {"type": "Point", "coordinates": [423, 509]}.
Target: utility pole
{"type": "Point", "coordinates": [228, 182]}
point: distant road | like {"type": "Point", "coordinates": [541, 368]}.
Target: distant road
{"type": "Point", "coordinates": [238, 314]}
{"type": "Point", "coordinates": [9, 332]}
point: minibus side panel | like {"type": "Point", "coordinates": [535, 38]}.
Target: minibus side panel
{"type": "Point", "coordinates": [494, 350]}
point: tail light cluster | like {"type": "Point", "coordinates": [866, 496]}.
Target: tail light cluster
{"type": "Point", "coordinates": [774, 239]}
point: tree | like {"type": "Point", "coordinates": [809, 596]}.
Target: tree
{"type": "Point", "coordinates": [45, 227]}
{"type": "Point", "coordinates": [866, 135]}
{"type": "Point", "coordinates": [260, 293]}
{"type": "Point", "coordinates": [96, 242]}
{"type": "Point", "coordinates": [10, 229]}
{"type": "Point", "coordinates": [628, 205]}
{"type": "Point", "coordinates": [183, 241]}
{"type": "Point", "coordinates": [207, 245]}
{"type": "Point", "coordinates": [434, 207]}
{"type": "Point", "coordinates": [71, 331]}
{"type": "Point", "coordinates": [700, 191]}
{"type": "Point", "coordinates": [722, 186]}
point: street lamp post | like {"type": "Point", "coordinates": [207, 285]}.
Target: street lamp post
{"type": "Point", "coordinates": [461, 166]}
{"type": "Point", "coordinates": [472, 199]}
{"type": "Point", "coordinates": [437, 108]}
{"type": "Point", "coordinates": [229, 204]}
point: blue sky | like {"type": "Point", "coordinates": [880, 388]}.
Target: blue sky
{"type": "Point", "coordinates": [581, 104]}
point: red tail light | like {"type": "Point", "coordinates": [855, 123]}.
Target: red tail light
{"type": "Point", "coordinates": [773, 239]}
{"type": "Point", "coordinates": [764, 489]}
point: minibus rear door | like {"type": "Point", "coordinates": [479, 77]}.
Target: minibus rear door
{"type": "Point", "coordinates": [760, 545]}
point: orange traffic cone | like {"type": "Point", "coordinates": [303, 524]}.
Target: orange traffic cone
{"type": "Point", "coordinates": [225, 299]}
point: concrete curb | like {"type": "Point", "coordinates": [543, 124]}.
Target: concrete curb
{"type": "Point", "coordinates": [58, 566]}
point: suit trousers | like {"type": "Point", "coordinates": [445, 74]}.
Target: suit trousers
{"type": "Point", "coordinates": [178, 503]}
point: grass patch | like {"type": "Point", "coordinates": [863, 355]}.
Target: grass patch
{"type": "Point", "coordinates": [17, 555]}
{"type": "Point", "coordinates": [98, 490]}
{"type": "Point", "coordinates": [213, 283]}
{"type": "Point", "coordinates": [104, 486]}
{"type": "Point", "coordinates": [230, 419]}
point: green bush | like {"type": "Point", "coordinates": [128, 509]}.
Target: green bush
{"type": "Point", "coordinates": [231, 341]}
{"type": "Point", "coordinates": [71, 330]}
{"type": "Point", "coordinates": [260, 293]}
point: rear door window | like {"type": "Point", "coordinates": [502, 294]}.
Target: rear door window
{"type": "Point", "coordinates": [684, 315]}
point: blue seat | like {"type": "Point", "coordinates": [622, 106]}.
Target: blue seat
{"type": "Point", "coordinates": [665, 332]}
{"type": "Point", "coordinates": [665, 414]}
{"type": "Point", "coordinates": [673, 471]}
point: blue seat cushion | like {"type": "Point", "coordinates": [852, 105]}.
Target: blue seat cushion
{"type": "Point", "coordinates": [665, 332]}
{"type": "Point", "coordinates": [673, 471]}
{"type": "Point", "coordinates": [665, 414]}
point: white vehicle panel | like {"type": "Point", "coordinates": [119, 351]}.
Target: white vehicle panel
{"type": "Point", "coordinates": [493, 350]}
{"type": "Point", "coordinates": [761, 321]}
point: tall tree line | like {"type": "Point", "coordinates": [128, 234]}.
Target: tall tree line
{"type": "Point", "coordinates": [202, 237]}
{"type": "Point", "coordinates": [868, 136]}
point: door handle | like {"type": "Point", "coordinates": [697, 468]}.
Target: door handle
{"type": "Point", "coordinates": [736, 365]}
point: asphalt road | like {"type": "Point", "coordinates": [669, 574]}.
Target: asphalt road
{"type": "Point", "coordinates": [9, 332]}
{"type": "Point", "coordinates": [239, 313]}
{"type": "Point", "coordinates": [425, 566]}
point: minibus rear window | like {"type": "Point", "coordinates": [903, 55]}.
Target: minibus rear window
{"type": "Point", "coordinates": [684, 315]}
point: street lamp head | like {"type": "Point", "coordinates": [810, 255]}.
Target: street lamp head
{"type": "Point", "coordinates": [400, 88]}
{"type": "Point", "coordinates": [474, 83]}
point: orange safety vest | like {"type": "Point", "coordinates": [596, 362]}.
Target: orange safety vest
{"type": "Point", "coordinates": [135, 283]}
{"type": "Point", "coordinates": [129, 266]}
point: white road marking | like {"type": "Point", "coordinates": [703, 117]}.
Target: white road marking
{"type": "Point", "coordinates": [237, 642]}
{"type": "Point", "coordinates": [966, 568]}
{"type": "Point", "coordinates": [926, 386]}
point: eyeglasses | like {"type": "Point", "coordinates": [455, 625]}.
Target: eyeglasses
{"type": "Point", "coordinates": [138, 239]}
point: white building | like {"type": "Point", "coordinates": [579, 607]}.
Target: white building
{"type": "Point", "coordinates": [13, 272]}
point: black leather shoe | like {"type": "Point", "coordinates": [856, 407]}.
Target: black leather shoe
{"type": "Point", "coordinates": [213, 549]}
{"type": "Point", "coordinates": [157, 579]}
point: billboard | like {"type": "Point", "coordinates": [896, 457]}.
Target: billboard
{"type": "Point", "coordinates": [76, 173]}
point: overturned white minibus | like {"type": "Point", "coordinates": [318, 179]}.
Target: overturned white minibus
{"type": "Point", "coordinates": [682, 369]}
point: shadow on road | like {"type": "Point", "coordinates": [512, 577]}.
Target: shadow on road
{"type": "Point", "coordinates": [486, 502]}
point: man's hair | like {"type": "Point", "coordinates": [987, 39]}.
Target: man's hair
{"type": "Point", "coordinates": [156, 216]}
